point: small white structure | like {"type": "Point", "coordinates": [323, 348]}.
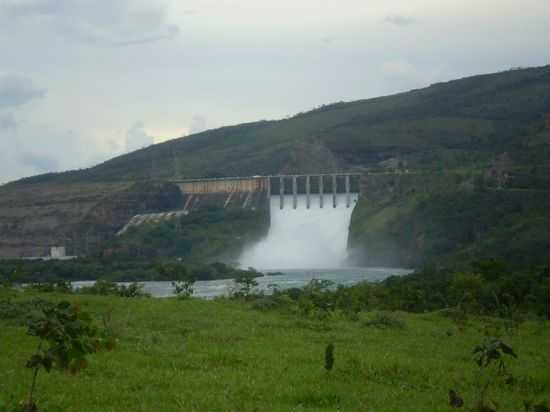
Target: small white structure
{"type": "Point", "coordinates": [58, 252]}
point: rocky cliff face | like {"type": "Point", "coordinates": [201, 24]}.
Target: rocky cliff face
{"type": "Point", "coordinates": [34, 218]}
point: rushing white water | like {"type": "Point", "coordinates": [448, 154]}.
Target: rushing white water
{"type": "Point", "coordinates": [304, 238]}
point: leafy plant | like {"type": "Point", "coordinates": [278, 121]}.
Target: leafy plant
{"type": "Point", "coordinates": [384, 320]}
{"type": "Point", "coordinates": [20, 312]}
{"type": "Point", "coordinates": [329, 357]}
{"type": "Point", "coordinates": [317, 299]}
{"type": "Point", "coordinates": [106, 287]}
{"type": "Point", "coordinates": [538, 407]}
{"type": "Point", "coordinates": [183, 288]}
{"type": "Point", "coordinates": [133, 290]}
{"type": "Point", "coordinates": [100, 287]}
{"type": "Point", "coordinates": [182, 279]}
{"type": "Point", "coordinates": [10, 277]}
{"type": "Point", "coordinates": [66, 336]}
{"type": "Point", "coordinates": [455, 400]}
{"type": "Point", "coordinates": [490, 357]}
{"type": "Point", "coordinates": [245, 283]}
{"type": "Point", "coordinates": [59, 286]}
{"type": "Point", "coordinates": [492, 352]}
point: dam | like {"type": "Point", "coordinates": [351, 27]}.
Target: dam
{"type": "Point", "coordinates": [309, 214]}
{"type": "Point", "coordinates": [329, 184]}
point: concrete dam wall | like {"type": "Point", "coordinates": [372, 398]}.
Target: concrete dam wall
{"type": "Point", "coordinates": [297, 192]}
{"type": "Point", "coordinates": [310, 215]}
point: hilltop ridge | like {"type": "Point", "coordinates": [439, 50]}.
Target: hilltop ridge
{"type": "Point", "coordinates": [465, 121]}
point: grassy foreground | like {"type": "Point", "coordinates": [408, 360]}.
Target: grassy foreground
{"type": "Point", "coordinates": [223, 355]}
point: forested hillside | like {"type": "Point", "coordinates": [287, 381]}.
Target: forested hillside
{"type": "Point", "coordinates": [454, 171]}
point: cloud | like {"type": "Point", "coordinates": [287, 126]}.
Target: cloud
{"type": "Point", "coordinates": [7, 121]}
{"type": "Point", "coordinates": [35, 147]}
{"type": "Point", "coordinates": [401, 75]}
{"type": "Point", "coordinates": [326, 40]}
{"type": "Point", "coordinates": [137, 137]}
{"type": "Point", "coordinates": [399, 68]}
{"type": "Point", "coordinates": [399, 20]}
{"type": "Point", "coordinates": [17, 90]}
{"type": "Point", "coordinates": [117, 23]}
{"type": "Point", "coordinates": [38, 163]}
{"type": "Point", "coordinates": [198, 124]}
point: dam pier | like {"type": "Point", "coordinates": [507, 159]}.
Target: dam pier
{"type": "Point", "coordinates": [313, 185]}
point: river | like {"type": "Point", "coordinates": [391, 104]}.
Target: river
{"type": "Point", "coordinates": [290, 278]}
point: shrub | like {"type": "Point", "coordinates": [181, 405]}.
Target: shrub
{"type": "Point", "coordinates": [245, 283]}
{"type": "Point", "coordinates": [266, 303]}
{"type": "Point", "coordinates": [329, 357]}
{"type": "Point", "coordinates": [133, 290]}
{"type": "Point", "coordinates": [183, 288]}
{"type": "Point", "coordinates": [106, 288]}
{"type": "Point", "coordinates": [66, 336]}
{"type": "Point", "coordinates": [384, 320]}
{"type": "Point", "coordinates": [100, 287]}
{"type": "Point", "coordinates": [490, 357]}
{"type": "Point", "coordinates": [59, 286]}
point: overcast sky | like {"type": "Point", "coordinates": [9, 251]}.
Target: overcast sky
{"type": "Point", "coordinates": [84, 80]}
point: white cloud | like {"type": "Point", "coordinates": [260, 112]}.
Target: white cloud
{"type": "Point", "coordinates": [7, 121]}
{"type": "Point", "coordinates": [137, 137]}
{"type": "Point", "coordinates": [16, 90]}
{"type": "Point", "coordinates": [198, 124]}
{"type": "Point", "coordinates": [113, 23]}
{"type": "Point", "coordinates": [235, 61]}
{"type": "Point", "coordinates": [399, 20]}
{"type": "Point", "coordinates": [400, 75]}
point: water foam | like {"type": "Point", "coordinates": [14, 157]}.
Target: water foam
{"type": "Point", "coordinates": [303, 238]}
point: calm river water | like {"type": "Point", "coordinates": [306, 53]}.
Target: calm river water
{"type": "Point", "coordinates": [290, 278]}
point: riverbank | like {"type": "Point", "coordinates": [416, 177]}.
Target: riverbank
{"type": "Point", "coordinates": [279, 280]}
{"type": "Point", "coordinates": [227, 355]}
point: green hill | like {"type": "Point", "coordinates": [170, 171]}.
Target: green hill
{"type": "Point", "coordinates": [455, 171]}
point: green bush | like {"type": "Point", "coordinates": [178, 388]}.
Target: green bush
{"type": "Point", "coordinates": [385, 320]}
{"type": "Point", "coordinates": [106, 288]}
{"type": "Point", "coordinates": [66, 336]}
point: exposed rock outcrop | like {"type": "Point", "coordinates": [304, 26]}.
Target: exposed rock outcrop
{"type": "Point", "coordinates": [34, 218]}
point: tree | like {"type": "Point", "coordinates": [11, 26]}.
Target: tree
{"type": "Point", "coordinates": [182, 279]}
{"type": "Point", "coordinates": [66, 336]}
{"type": "Point", "coordinates": [245, 283]}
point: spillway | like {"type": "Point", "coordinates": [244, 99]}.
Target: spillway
{"type": "Point", "coordinates": [304, 238]}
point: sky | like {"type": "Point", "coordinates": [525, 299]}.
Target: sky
{"type": "Point", "coordinates": [82, 81]}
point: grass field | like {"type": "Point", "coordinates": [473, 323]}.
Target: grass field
{"type": "Point", "coordinates": [224, 355]}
